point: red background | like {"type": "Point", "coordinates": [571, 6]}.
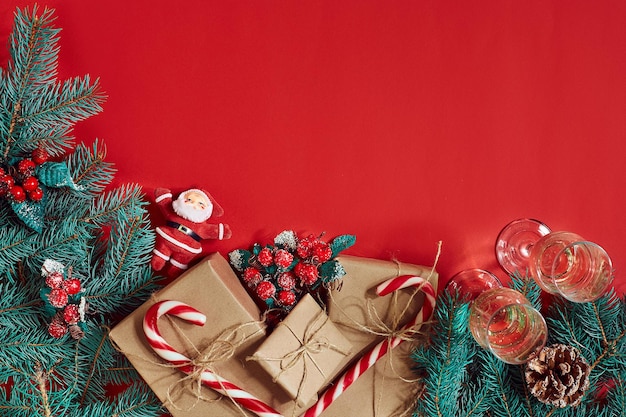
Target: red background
{"type": "Point", "coordinates": [402, 122]}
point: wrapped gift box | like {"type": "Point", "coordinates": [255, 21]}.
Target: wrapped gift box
{"type": "Point", "coordinates": [212, 288]}
{"type": "Point", "coordinates": [381, 391]}
{"type": "Point", "coordinates": [304, 352]}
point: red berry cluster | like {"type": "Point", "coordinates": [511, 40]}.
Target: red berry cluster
{"type": "Point", "coordinates": [313, 252]}
{"type": "Point", "coordinates": [60, 296]}
{"type": "Point", "coordinates": [18, 182]}
{"type": "Point", "coordinates": [279, 276]}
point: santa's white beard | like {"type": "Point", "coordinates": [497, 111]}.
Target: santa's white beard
{"type": "Point", "coordinates": [189, 213]}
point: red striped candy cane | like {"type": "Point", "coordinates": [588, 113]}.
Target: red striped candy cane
{"type": "Point", "coordinates": [184, 364]}
{"type": "Point", "coordinates": [378, 351]}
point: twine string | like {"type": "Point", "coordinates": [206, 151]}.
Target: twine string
{"type": "Point", "coordinates": [309, 345]}
{"type": "Point", "coordinates": [220, 349]}
{"type": "Point", "coordinates": [375, 325]}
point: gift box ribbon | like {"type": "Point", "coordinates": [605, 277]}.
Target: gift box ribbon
{"type": "Point", "coordinates": [309, 345]}
{"type": "Point", "coordinates": [202, 375]}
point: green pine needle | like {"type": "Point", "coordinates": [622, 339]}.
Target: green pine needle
{"type": "Point", "coordinates": [102, 233]}
{"type": "Point", "coordinates": [462, 379]}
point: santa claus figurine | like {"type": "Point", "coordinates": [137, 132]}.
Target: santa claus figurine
{"type": "Point", "coordinates": [179, 241]}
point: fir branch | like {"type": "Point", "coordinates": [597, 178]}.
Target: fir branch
{"type": "Point", "coordinates": [525, 285]}
{"type": "Point", "coordinates": [41, 378]}
{"type": "Point", "coordinates": [92, 369]}
{"type": "Point", "coordinates": [104, 236]}
{"type": "Point", "coordinates": [610, 348]}
{"type": "Point", "coordinates": [19, 306]}
{"type": "Point", "coordinates": [120, 298]}
{"type": "Point", "coordinates": [33, 65]}
{"type": "Point", "coordinates": [34, 62]}
{"type": "Point", "coordinates": [15, 244]}
{"type": "Point", "coordinates": [126, 251]}
{"type": "Point", "coordinates": [89, 169]}
{"type": "Point", "coordinates": [63, 242]}
{"type": "Point", "coordinates": [445, 359]}
{"type": "Point", "coordinates": [127, 199]}
{"type": "Point", "coordinates": [65, 104]}
{"type": "Point", "coordinates": [136, 401]}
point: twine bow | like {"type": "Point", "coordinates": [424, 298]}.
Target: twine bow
{"type": "Point", "coordinates": [222, 348]}
{"type": "Point", "coordinates": [376, 325]}
{"type": "Point", "coordinates": [311, 343]}
{"type": "Point", "coordinates": [219, 350]}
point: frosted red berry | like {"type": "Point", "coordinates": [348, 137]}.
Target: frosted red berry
{"type": "Point", "coordinates": [265, 257]}
{"type": "Point", "coordinates": [58, 298]}
{"type": "Point", "coordinates": [72, 286]}
{"type": "Point", "coordinates": [17, 194]}
{"type": "Point", "coordinates": [54, 280]}
{"type": "Point", "coordinates": [57, 329]}
{"type": "Point", "coordinates": [303, 249]}
{"type": "Point", "coordinates": [71, 315]}
{"type": "Point", "coordinates": [307, 273]}
{"type": "Point", "coordinates": [39, 156]}
{"type": "Point", "coordinates": [36, 194]}
{"type": "Point", "coordinates": [265, 290]}
{"type": "Point", "coordinates": [283, 258]}
{"type": "Point", "coordinates": [252, 276]}
{"type": "Point", "coordinates": [286, 298]}
{"type": "Point", "coordinates": [286, 280]}
{"type": "Point", "coordinates": [7, 181]}
{"type": "Point", "coordinates": [26, 167]}
{"type": "Point", "coordinates": [30, 183]}
{"type": "Point", "coordinates": [321, 252]}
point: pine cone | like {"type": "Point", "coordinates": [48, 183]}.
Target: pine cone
{"type": "Point", "coordinates": [558, 375]}
{"type": "Point", "coordinates": [76, 332]}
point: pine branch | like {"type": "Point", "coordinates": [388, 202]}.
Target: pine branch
{"type": "Point", "coordinates": [61, 242]}
{"type": "Point", "coordinates": [94, 366]}
{"type": "Point", "coordinates": [91, 173]}
{"type": "Point", "coordinates": [105, 236]}
{"type": "Point", "coordinates": [125, 199]}
{"type": "Point", "coordinates": [64, 104]}
{"type": "Point", "coordinates": [15, 244]}
{"type": "Point", "coordinates": [525, 285]}
{"type": "Point", "coordinates": [33, 65]}
{"type": "Point", "coordinates": [445, 359]}
{"type": "Point", "coordinates": [463, 379]}
{"type": "Point", "coordinates": [136, 401]}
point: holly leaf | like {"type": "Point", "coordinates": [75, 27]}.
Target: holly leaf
{"type": "Point", "coordinates": [31, 213]}
{"type": "Point", "coordinates": [48, 309]}
{"type": "Point", "coordinates": [341, 243]}
{"type": "Point", "coordinates": [56, 175]}
{"type": "Point", "coordinates": [331, 271]}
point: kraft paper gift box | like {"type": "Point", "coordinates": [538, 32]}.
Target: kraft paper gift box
{"type": "Point", "coordinates": [382, 391]}
{"type": "Point", "coordinates": [304, 351]}
{"type": "Point", "coordinates": [212, 288]}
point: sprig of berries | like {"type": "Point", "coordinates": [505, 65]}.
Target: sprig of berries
{"type": "Point", "coordinates": [62, 301]}
{"type": "Point", "coordinates": [18, 181]}
{"type": "Point", "coordinates": [280, 274]}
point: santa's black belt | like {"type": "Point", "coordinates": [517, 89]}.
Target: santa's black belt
{"type": "Point", "coordinates": [185, 230]}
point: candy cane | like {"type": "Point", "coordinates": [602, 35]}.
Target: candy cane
{"type": "Point", "coordinates": [184, 364]}
{"type": "Point", "coordinates": [378, 351]}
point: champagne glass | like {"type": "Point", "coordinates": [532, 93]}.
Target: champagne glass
{"type": "Point", "coordinates": [470, 283]}
{"type": "Point", "coordinates": [515, 242]}
{"type": "Point", "coordinates": [560, 262]}
{"type": "Point", "coordinates": [579, 270]}
{"type": "Point", "coordinates": [501, 319]}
